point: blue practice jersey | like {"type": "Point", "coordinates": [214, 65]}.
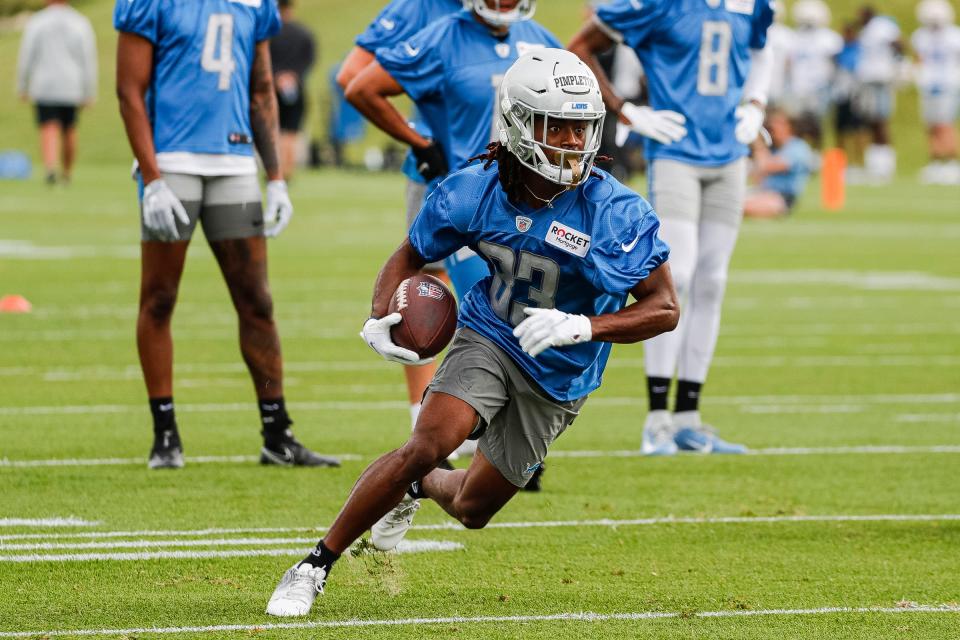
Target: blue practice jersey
{"type": "Point", "coordinates": [581, 256]}
{"type": "Point", "coordinates": [452, 71]}
{"type": "Point", "coordinates": [199, 96]}
{"type": "Point", "coordinates": [696, 57]}
{"type": "Point", "coordinates": [399, 20]}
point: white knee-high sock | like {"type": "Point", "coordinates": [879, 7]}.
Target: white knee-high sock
{"type": "Point", "coordinates": [714, 250]}
{"type": "Point", "coordinates": [660, 354]}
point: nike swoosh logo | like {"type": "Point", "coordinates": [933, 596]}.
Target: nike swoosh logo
{"type": "Point", "coordinates": [627, 248]}
{"type": "Point", "coordinates": [165, 407]}
{"type": "Point", "coordinates": [411, 50]}
{"type": "Point", "coordinates": [286, 458]}
{"type": "Point", "coordinates": [387, 24]}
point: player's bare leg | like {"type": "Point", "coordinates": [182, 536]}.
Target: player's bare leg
{"type": "Point", "coordinates": [160, 272]}
{"type": "Point", "coordinates": [68, 152]}
{"type": "Point", "coordinates": [444, 423]}
{"type": "Point", "coordinates": [50, 148]}
{"type": "Point", "coordinates": [243, 262]}
{"type": "Point", "coordinates": [472, 495]}
{"type": "Point", "coordinates": [161, 268]}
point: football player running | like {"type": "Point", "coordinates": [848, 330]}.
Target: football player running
{"type": "Point", "coordinates": [565, 244]}
{"type": "Point", "coordinates": [399, 20]}
{"type": "Point", "coordinates": [196, 96]}
{"type": "Point", "coordinates": [707, 74]}
{"type": "Point", "coordinates": [451, 70]}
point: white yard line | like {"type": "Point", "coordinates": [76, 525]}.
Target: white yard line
{"type": "Point", "coordinates": [69, 521]}
{"type": "Point", "coordinates": [578, 616]}
{"type": "Point", "coordinates": [391, 405]}
{"type": "Point", "coordinates": [150, 544]}
{"type": "Point", "coordinates": [405, 546]}
{"type": "Point", "coordinates": [612, 453]}
{"type": "Point", "coordinates": [928, 417]}
{"type": "Point", "coordinates": [546, 524]}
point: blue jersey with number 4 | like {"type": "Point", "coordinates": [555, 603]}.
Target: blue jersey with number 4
{"type": "Point", "coordinates": [452, 71]}
{"type": "Point", "coordinates": [199, 96]}
{"type": "Point", "coordinates": [696, 56]}
{"type": "Point", "coordinates": [581, 256]}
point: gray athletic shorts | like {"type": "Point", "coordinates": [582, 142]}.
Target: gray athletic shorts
{"type": "Point", "coordinates": [228, 207]}
{"type": "Point", "coordinates": [415, 194]}
{"type": "Point", "coordinates": [693, 193]}
{"type": "Point", "coordinates": [518, 421]}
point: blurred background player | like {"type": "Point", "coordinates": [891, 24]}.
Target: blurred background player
{"type": "Point", "coordinates": [57, 72]}
{"type": "Point", "coordinates": [399, 20]}
{"type": "Point", "coordinates": [878, 70]}
{"type": "Point", "coordinates": [848, 125]}
{"type": "Point", "coordinates": [198, 164]}
{"type": "Point", "coordinates": [811, 65]}
{"type": "Point", "coordinates": [530, 348]}
{"type": "Point", "coordinates": [780, 40]}
{"type": "Point", "coordinates": [451, 70]}
{"type": "Point", "coordinates": [937, 45]}
{"type": "Point", "coordinates": [292, 52]}
{"type": "Point", "coordinates": [780, 172]}
{"type": "Point", "coordinates": [708, 74]}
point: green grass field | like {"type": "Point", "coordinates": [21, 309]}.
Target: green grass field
{"type": "Point", "coordinates": [838, 364]}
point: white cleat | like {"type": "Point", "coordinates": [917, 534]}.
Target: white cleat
{"type": "Point", "coordinates": [468, 448]}
{"type": "Point", "coordinates": [389, 530]}
{"type": "Point", "coordinates": [658, 435]}
{"type": "Point", "coordinates": [297, 590]}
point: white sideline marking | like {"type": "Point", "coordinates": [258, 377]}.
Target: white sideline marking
{"type": "Point", "coordinates": [581, 616]}
{"type": "Point", "coordinates": [928, 417]}
{"type": "Point", "coordinates": [70, 521]}
{"type": "Point", "coordinates": [549, 524]}
{"type": "Point", "coordinates": [391, 405]}
{"type": "Point", "coordinates": [146, 544]}
{"type": "Point", "coordinates": [405, 546]}
{"type": "Point", "coordinates": [614, 453]}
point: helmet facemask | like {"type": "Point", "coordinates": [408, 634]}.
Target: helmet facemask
{"type": "Point", "coordinates": [523, 10]}
{"type": "Point", "coordinates": [568, 167]}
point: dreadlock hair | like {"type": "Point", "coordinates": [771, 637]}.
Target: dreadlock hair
{"type": "Point", "coordinates": [508, 169]}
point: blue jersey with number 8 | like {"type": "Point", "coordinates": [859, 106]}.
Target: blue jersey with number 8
{"type": "Point", "coordinates": [695, 54]}
{"type": "Point", "coordinates": [582, 256]}
{"type": "Point", "coordinates": [199, 96]}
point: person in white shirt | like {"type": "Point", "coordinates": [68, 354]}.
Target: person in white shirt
{"type": "Point", "coordinates": [780, 39]}
{"type": "Point", "coordinates": [811, 66]}
{"type": "Point", "coordinates": [877, 72]}
{"type": "Point", "coordinates": [57, 72]}
{"type": "Point", "coordinates": [937, 45]}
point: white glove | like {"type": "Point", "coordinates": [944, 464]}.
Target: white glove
{"type": "Point", "coordinates": [160, 207]}
{"type": "Point", "coordinates": [663, 126]}
{"type": "Point", "coordinates": [545, 328]}
{"type": "Point", "coordinates": [749, 122]}
{"type": "Point", "coordinates": [376, 333]}
{"type": "Point", "coordinates": [279, 209]}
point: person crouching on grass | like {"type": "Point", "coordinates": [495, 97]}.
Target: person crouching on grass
{"type": "Point", "coordinates": [781, 172]}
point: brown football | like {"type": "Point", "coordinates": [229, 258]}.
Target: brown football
{"type": "Point", "coordinates": [429, 313]}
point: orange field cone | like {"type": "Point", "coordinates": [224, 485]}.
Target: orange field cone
{"type": "Point", "coordinates": [832, 191]}
{"type": "Point", "coordinates": [15, 304]}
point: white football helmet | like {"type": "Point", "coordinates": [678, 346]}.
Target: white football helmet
{"type": "Point", "coordinates": [550, 83]}
{"type": "Point", "coordinates": [935, 13]}
{"type": "Point", "coordinates": [811, 14]}
{"type": "Point", "coordinates": [490, 11]}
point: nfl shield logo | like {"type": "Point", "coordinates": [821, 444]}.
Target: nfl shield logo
{"type": "Point", "coordinates": [523, 223]}
{"type": "Point", "coordinates": [502, 49]}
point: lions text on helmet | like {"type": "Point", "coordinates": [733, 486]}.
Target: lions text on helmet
{"type": "Point", "coordinates": [542, 92]}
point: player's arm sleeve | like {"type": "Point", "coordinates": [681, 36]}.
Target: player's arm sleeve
{"type": "Point", "coordinates": [630, 247]}
{"type": "Point", "coordinates": [416, 63]}
{"type": "Point", "coordinates": [630, 21]}
{"type": "Point", "coordinates": [394, 24]}
{"type": "Point", "coordinates": [140, 17]}
{"type": "Point", "coordinates": [435, 233]}
{"type": "Point", "coordinates": [757, 85]}
{"type": "Point", "coordinates": [268, 21]}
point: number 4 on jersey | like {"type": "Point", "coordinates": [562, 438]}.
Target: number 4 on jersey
{"type": "Point", "coordinates": [219, 29]}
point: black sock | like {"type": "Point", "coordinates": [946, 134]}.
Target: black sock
{"type": "Point", "coordinates": [657, 390]}
{"type": "Point", "coordinates": [273, 416]}
{"type": "Point", "coordinates": [321, 557]}
{"type": "Point", "coordinates": [163, 417]}
{"type": "Point", "coordinates": [688, 395]}
{"type": "Point", "coordinates": [416, 490]}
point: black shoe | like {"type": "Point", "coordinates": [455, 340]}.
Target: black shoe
{"type": "Point", "coordinates": [534, 483]}
{"type": "Point", "coordinates": [167, 452]}
{"type": "Point", "coordinates": [288, 452]}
